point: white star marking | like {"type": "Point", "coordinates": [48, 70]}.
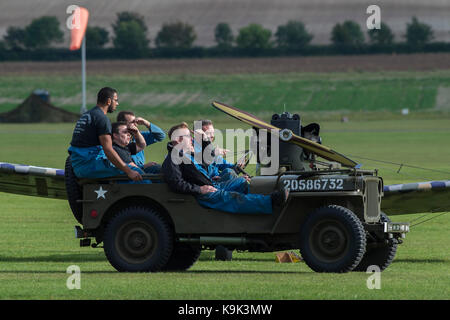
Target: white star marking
{"type": "Point", "coordinates": [100, 193]}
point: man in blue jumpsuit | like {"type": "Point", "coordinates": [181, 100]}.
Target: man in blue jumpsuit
{"type": "Point", "coordinates": [91, 151]}
{"type": "Point", "coordinates": [153, 135]}
{"type": "Point", "coordinates": [183, 174]}
{"type": "Point", "coordinates": [219, 169]}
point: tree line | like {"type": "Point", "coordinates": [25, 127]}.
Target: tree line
{"type": "Point", "coordinates": [130, 40]}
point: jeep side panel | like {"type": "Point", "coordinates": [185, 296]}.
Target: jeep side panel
{"type": "Point", "coordinates": [185, 213]}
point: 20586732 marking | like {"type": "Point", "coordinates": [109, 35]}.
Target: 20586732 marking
{"type": "Point", "coordinates": [314, 185]}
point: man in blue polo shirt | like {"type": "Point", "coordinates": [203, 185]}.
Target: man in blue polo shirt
{"type": "Point", "coordinates": [91, 151]}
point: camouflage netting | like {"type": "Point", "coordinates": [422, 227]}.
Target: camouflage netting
{"type": "Point", "coordinates": [35, 109]}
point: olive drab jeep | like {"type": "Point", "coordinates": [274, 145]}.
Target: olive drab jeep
{"type": "Point", "coordinates": [332, 216]}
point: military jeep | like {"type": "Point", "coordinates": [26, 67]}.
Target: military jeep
{"type": "Point", "coordinates": [332, 216]}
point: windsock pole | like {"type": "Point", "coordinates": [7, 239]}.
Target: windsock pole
{"type": "Point", "coordinates": [78, 25]}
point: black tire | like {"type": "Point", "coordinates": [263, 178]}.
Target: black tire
{"type": "Point", "coordinates": [379, 256]}
{"type": "Point", "coordinates": [223, 254]}
{"type": "Point", "coordinates": [73, 191]}
{"type": "Point", "coordinates": [138, 239]}
{"type": "Point", "coordinates": [183, 257]}
{"type": "Point", "coordinates": [332, 239]}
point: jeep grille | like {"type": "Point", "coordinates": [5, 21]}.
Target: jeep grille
{"type": "Point", "coordinates": [373, 194]}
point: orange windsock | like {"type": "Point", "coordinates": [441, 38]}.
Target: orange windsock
{"type": "Point", "coordinates": [79, 25]}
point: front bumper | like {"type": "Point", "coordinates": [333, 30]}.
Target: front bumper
{"type": "Point", "coordinates": [399, 228]}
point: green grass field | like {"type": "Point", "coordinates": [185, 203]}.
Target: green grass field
{"type": "Point", "coordinates": [364, 95]}
{"type": "Point", "coordinates": [37, 242]}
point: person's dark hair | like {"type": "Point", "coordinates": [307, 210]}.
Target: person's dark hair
{"type": "Point", "coordinates": [122, 115]}
{"type": "Point", "coordinates": [104, 94]}
{"type": "Point", "coordinates": [176, 127]}
{"type": "Point", "coordinates": [206, 123]}
{"type": "Point", "coordinates": [115, 126]}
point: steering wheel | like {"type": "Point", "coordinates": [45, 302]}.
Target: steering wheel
{"type": "Point", "coordinates": [242, 162]}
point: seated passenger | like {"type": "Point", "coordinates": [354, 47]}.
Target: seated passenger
{"type": "Point", "coordinates": [229, 179]}
{"type": "Point", "coordinates": [91, 151]}
{"type": "Point", "coordinates": [153, 135]}
{"type": "Point", "coordinates": [184, 175]}
{"type": "Point", "coordinates": [121, 135]}
{"type": "Point", "coordinates": [219, 169]}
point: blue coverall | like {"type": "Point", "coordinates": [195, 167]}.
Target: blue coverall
{"type": "Point", "coordinates": [232, 196]}
{"type": "Point", "coordinates": [91, 162]}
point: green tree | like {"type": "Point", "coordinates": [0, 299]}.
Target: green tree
{"type": "Point", "coordinates": [223, 35]}
{"type": "Point", "coordinates": [418, 33]}
{"type": "Point", "coordinates": [383, 36]}
{"type": "Point", "coordinates": [130, 33]}
{"type": "Point", "coordinates": [176, 35]}
{"type": "Point", "coordinates": [42, 32]}
{"type": "Point", "coordinates": [15, 38]}
{"type": "Point", "coordinates": [96, 37]}
{"type": "Point", "coordinates": [127, 16]}
{"type": "Point", "coordinates": [254, 36]}
{"type": "Point", "coordinates": [347, 33]}
{"type": "Point", "coordinates": [131, 38]}
{"type": "Point", "coordinates": [293, 35]}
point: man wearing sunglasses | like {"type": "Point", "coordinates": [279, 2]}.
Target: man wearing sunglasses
{"type": "Point", "coordinates": [91, 151]}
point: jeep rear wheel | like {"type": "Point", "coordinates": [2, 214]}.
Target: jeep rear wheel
{"type": "Point", "coordinates": [332, 239]}
{"type": "Point", "coordinates": [138, 240]}
{"type": "Point", "coordinates": [183, 257]}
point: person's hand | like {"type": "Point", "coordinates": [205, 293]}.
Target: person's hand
{"type": "Point", "coordinates": [132, 128]}
{"type": "Point", "coordinates": [246, 177]}
{"type": "Point", "coordinates": [142, 121]}
{"type": "Point", "coordinates": [220, 152]}
{"type": "Point", "coordinates": [149, 164]}
{"type": "Point", "coordinates": [201, 133]}
{"type": "Point", "coordinates": [240, 165]}
{"type": "Point", "coordinates": [134, 175]}
{"type": "Point", "coordinates": [207, 189]}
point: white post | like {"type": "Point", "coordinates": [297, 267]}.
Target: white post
{"type": "Point", "coordinates": [83, 75]}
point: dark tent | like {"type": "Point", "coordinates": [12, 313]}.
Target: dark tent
{"type": "Point", "coordinates": [35, 109]}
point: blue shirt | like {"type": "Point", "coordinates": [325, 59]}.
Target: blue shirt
{"type": "Point", "coordinates": [154, 134]}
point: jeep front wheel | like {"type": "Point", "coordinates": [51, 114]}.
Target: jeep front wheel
{"type": "Point", "coordinates": [138, 240]}
{"type": "Point", "coordinates": [380, 255]}
{"type": "Point", "coordinates": [332, 239]}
